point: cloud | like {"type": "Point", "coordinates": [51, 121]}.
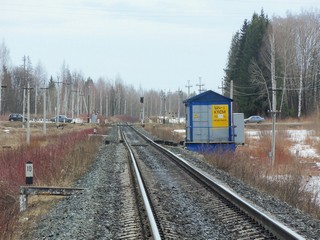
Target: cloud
{"type": "Point", "coordinates": [98, 18]}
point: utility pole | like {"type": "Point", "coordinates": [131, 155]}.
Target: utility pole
{"type": "Point", "coordinates": [58, 100]}
{"type": "Point", "coordinates": [222, 87]}
{"type": "Point", "coordinates": [231, 89]}
{"type": "Point", "coordinates": [231, 95]}
{"type": "Point", "coordinates": [169, 94]}
{"type": "Point", "coordinates": [79, 102]}
{"type": "Point", "coordinates": [24, 91]}
{"type": "Point", "coordinates": [28, 112]}
{"type": "Point", "coordinates": [180, 94]}
{"type": "Point", "coordinates": [36, 102]}
{"type": "Point", "coordinates": [89, 105]}
{"type": "Point", "coordinates": [163, 108]}
{"type": "Point", "coordinates": [65, 100]}
{"type": "Point", "coordinates": [188, 86]}
{"type": "Point", "coordinates": [200, 85]}
{"type": "Point", "coordinates": [23, 107]}
{"type": "Point", "coordinates": [274, 99]}
{"type": "Point", "coordinates": [72, 103]}
{"type": "Point", "coordinates": [142, 110]}
{"type": "Point", "coordinates": [44, 109]}
{"type": "Point", "coordinates": [28, 115]}
{"type": "Point", "coordinates": [100, 101]}
{"type": "Point", "coordinates": [2, 86]}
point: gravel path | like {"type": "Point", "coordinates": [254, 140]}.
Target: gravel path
{"type": "Point", "coordinates": [95, 213]}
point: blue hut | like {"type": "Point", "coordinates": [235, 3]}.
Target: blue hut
{"type": "Point", "coordinates": [209, 122]}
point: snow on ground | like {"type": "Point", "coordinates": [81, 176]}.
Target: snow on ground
{"type": "Point", "coordinates": [313, 185]}
{"type": "Point", "coordinates": [302, 150]}
{"type": "Point", "coordinates": [253, 134]}
{"type": "Point", "coordinates": [299, 148]}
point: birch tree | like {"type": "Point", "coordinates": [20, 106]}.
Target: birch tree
{"type": "Point", "coordinates": [39, 82]}
{"type": "Point", "coordinates": [4, 58]}
{"type": "Point", "coordinates": [284, 39]}
{"type": "Point", "coordinates": [307, 39]}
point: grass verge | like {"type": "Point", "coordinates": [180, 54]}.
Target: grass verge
{"type": "Point", "coordinates": [58, 160]}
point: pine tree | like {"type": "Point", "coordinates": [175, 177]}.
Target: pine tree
{"type": "Point", "coordinates": [245, 48]}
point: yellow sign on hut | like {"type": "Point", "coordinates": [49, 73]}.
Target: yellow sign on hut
{"type": "Point", "coordinates": [220, 115]}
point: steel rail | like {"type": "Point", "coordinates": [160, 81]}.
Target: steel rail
{"type": "Point", "coordinates": [151, 217]}
{"type": "Point", "coordinates": [275, 227]}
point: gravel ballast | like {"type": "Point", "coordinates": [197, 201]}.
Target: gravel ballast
{"type": "Point", "coordinates": [94, 213]}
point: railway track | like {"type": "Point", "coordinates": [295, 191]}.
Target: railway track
{"type": "Point", "coordinates": [182, 202]}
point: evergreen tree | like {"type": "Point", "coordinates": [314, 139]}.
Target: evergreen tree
{"type": "Point", "coordinates": [245, 48]}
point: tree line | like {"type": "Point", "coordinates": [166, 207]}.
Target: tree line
{"type": "Point", "coordinates": [73, 94]}
{"type": "Point", "coordinates": [278, 56]}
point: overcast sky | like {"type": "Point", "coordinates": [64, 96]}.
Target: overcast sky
{"type": "Point", "coordinates": [153, 44]}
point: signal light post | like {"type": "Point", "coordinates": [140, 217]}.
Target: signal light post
{"type": "Point", "coordinates": [142, 110]}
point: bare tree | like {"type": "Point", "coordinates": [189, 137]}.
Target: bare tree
{"type": "Point", "coordinates": [39, 82]}
{"type": "Point", "coordinates": [307, 39]}
{"type": "Point", "coordinates": [284, 39]}
{"type": "Point", "coordinates": [4, 57]}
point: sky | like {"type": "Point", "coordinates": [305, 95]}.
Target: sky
{"type": "Point", "coordinates": [151, 44]}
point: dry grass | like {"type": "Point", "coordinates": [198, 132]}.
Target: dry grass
{"type": "Point", "coordinates": [14, 135]}
{"type": "Point", "coordinates": [285, 181]}
{"type": "Point", "coordinates": [76, 163]}
{"type": "Point", "coordinates": [166, 131]}
{"type": "Point", "coordinates": [59, 158]}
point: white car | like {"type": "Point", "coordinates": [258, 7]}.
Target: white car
{"type": "Point", "coordinates": [254, 119]}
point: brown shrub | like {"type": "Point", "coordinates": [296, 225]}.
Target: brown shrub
{"type": "Point", "coordinates": [165, 131]}
{"type": "Point", "coordinates": [58, 160]}
{"type": "Point", "coordinates": [285, 181]}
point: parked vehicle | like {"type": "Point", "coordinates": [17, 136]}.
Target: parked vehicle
{"type": "Point", "coordinates": [16, 117]}
{"type": "Point", "coordinates": [61, 118]}
{"type": "Point", "coordinates": [254, 119]}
